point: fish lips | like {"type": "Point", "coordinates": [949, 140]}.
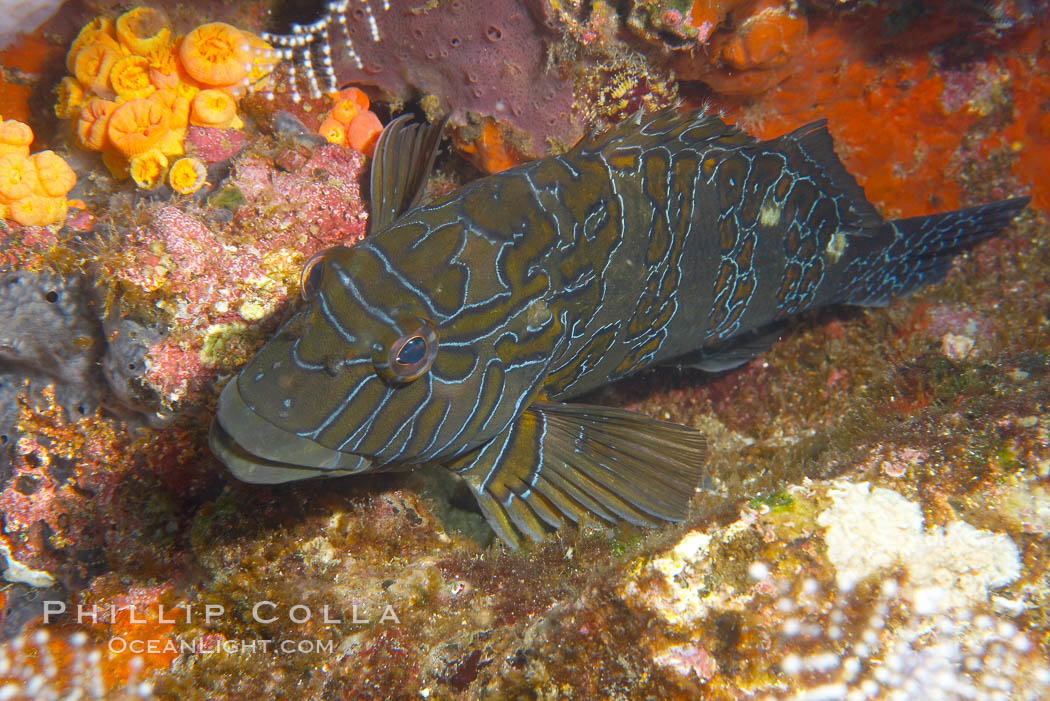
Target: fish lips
{"type": "Point", "coordinates": [275, 455]}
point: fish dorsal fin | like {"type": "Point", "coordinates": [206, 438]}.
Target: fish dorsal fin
{"type": "Point", "coordinates": [696, 128]}
{"type": "Point", "coordinates": [816, 144]}
{"type": "Point", "coordinates": [404, 156]}
{"type": "Point", "coordinates": [560, 463]}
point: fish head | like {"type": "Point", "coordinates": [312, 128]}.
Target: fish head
{"type": "Point", "coordinates": [367, 375]}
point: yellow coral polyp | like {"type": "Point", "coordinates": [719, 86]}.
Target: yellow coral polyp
{"type": "Point", "coordinates": [214, 108]}
{"type": "Point", "coordinates": [333, 131]}
{"type": "Point", "coordinates": [93, 122]}
{"type": "Point", "coordinates": [70, 98]}
{"type": "Point", "coordinates": [136, 126]}
{"type": "Point", "coordinates": [130, 78]}
{"type": "Point", "coordinates": [38, 210]}
{"type": "Point", "coordinates": [187, 175]}
{"type": "Point", "coordinates": [15, 137]}
{"type": "Point", "coordinates": [18, 178]}
{"type": "Point", "coordinates": [54, 174]}
{"type": "Point", "coordinates": [93, 63]}
{"type": "Point", "coordinates": [345, 110]}
{"type": "Point", "coordinates": [143, 30]}
{"type": "Point", "coordinates": [100, 26]}
{"type": "Point", "coordinates": [148, 168]}
{"type": "Point", "coordinates": [216, 54]}
{"type": "Point", "coordinates": [164, 67]}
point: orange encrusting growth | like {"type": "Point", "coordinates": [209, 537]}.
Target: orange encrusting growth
{"type": "Point", "coordinates": [490, 151]}
{"type": "Point", "coordinates": [895, 123]}
{"type": "Point", "coordinates": [751, 53]}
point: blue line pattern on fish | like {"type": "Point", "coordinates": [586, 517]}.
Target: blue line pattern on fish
{"type": "Point", "coordinates": [455, 333]}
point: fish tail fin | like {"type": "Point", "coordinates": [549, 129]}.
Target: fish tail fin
{"type": "Point", "coordinates": [903, 255]}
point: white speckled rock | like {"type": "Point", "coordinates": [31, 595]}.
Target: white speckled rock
{"type": "Point", "coordinates": [870, 529]}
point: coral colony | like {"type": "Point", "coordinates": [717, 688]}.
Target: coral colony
{"type": "Point", "coordinates": [874, 512]}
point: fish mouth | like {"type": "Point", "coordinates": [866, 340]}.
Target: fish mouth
{"type": "Point", "coordinates": [275, 455]}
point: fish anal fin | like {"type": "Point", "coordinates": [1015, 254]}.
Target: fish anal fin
{"type": "Point", "coordinates": [404, 156]}
{"type": "Point", "coordinates": [562, 463]}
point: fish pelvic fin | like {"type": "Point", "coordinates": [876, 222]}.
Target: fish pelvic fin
{"type": "Point", "coordinates": [908, 253]}
{"type": "Point", "coordinates": [560, 463]}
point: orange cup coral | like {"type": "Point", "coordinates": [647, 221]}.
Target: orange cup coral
{"type": "Point", "coordinates": [93, 63]}
{"type": "Point", "coordinates": [54, 174]}
{"type": "Point", "coordinates": [136, 126]}
{"type": "Point", "coordinates": [18, 178]}
{"type": "Point", "coordinates": [33, 188]}
{"type": "Point", "coordinates": [143, 30]}
{"type": "Point", "coordinates": [187, 175]}
{"type": "Point", "coordinates": [15, 137]}
{"type": "Point", "coordinates": [130, 78]}
{"type": "Point", "coordinates": [36, 210]}
{"type": "Point", "coordinates": [92, 121]}
{"type": "Point", "coordinates": [333, 130]}
{"type": "Point", "coordinates": [362, 132]}
{"type": "Point", "coordinates": [100, 26]}
{"type": "Point", "coordinates": [216, 54]}
{"type": "Point", "coordinates": [70, 97]}
{"type": "Point", "coordinates": [148, 168]}
{"type": "Point", "coordinates": [214, 108]}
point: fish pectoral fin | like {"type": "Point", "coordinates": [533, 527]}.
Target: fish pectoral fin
{"type": "Point", "coordinates": [404, 156]}
{"type": "Point", "coordinates": [559, 463]}
{"type": "Point", "coordinates": [733, 353]}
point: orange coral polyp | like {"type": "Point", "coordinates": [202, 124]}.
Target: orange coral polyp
{"type": "Point", "coordinates": [355, 95]}
{"type": "Point", "coordinates": [70, 98]}
{"type": "Point", "coordinates": [18, 178]}
{"type": "Point", "coordinates": [213, 108]}
{"type": "Point", "coordinates": [143, 29]}
{"type": "Point", "coordinates": [333, 131]}
{"type": "Point", "coordinates": [54, 174]}
{"type": "Point", "coordinates": [15, 137]}
{"type": "Point", "coordinates": [100, 26]}
{"type": "Point", "coordinates": [93, 63]}
{"type": "Point", "coordinates": [363, 131]}
{"type": "Point", "coordinates": [216, 54]}
{"type": "Point", "coordinates": [148, 168]}
{"type": "Point", "coordinates": [187, 175]}
{"type": "Point", "coordinates": [344, 111]}
{"type": "Point", "coordinates": [37, 210]}
{"type": "Point", "coordinates": [130, 78]}
{"type": "Point", "coordinates": [92, 123]}
{"type": "Point", "coordinates": [136, 126]}
{"type": "Point", "coordinates": [164, 67]}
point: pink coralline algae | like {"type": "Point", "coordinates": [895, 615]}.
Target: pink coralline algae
{"type": "Point", "coordinates": [220, 278]}
{"type": "Point", "coordinates": [215, 145]}
{"type": "Point", "coordinates": [488, 58]}
{"type": "Point", "coordinates": [321, 199]}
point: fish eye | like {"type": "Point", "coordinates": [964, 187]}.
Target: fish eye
{"type": "Point", "coordinates": [311, 277]}
{"type": "Point", "coordinates": [411, 354]}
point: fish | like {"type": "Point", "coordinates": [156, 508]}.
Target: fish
{"type": "Point", "coordinates": [458, 332]}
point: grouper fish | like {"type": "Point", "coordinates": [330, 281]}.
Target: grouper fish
{"type": "Point", "coordinates": [457, 332]}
